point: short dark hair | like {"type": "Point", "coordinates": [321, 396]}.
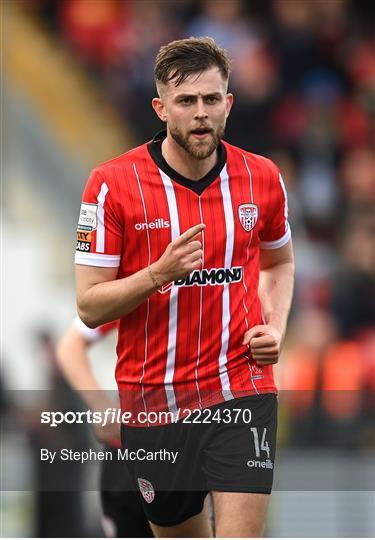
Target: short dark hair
{"type": "Point", "coordinates": [184, 57]}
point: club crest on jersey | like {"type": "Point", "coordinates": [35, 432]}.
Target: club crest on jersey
{"type": "Point", "coordinates": [147, 490]}
{"type": "Point", "coordinates": [248, 216]}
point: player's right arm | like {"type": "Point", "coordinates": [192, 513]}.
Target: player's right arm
{"type": "Point", "coordinates": [101, 297]}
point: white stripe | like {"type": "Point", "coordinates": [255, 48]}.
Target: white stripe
{"type": "Point", "coordinates": [200, 314]}
{"type": "Point", "coordinates": [229, 224]}
{"type": "Point", "coordinates": [173, 299]}
{"type": "Point", "coordinates": [100, 232]}
{"type": "Point", "coordinates": [148, 299]}
{"type": "Point", "coordinates": [285, 202]}
{"type": "Point", "coordinates": [95, 259]}
{"type": "Point", "coordinates": [275, 244]}
{"type": "Point", "coordinates": [247, 261]}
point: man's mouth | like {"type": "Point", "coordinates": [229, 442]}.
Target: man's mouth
{"type": "Point", "coordinates": [201, 132]}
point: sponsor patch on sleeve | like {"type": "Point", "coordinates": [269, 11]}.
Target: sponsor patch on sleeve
{"type": "Point", "coordinates": [83, 236]}
{"type": "Point", "coordinates": [87, 217]}
{"type": "Point", "coordinates": [83, 246]}
{"type": "Point", "coordinates": [83, 241]}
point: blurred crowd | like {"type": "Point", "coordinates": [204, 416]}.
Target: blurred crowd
{"type": "Point", "coordinates": [303, 77]}
{"type": "Point", "coordinates": [304, 85]}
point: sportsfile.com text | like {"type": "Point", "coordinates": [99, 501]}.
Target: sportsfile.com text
{"type": "Point", "coordinates": [116, 416]}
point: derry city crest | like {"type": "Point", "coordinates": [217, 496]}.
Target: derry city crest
{"type": "Point", "coordinates": [248, 216]}
{"type": "Point", "coordinates": [147, 490]}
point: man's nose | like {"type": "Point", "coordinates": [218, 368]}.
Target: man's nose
{"type": "Point", "coordinates": [200, 111]}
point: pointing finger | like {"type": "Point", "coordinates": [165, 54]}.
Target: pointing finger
{"type": "Point", "coordinates": [189, 234]}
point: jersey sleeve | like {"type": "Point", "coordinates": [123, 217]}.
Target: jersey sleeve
{"type": "Point", "coordinates": [99, 231]}
{"type": "Point", "coordinates": [276, 231]}
{"type": "Point", "coordinates": [94, 334]}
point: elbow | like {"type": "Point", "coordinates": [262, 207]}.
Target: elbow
{"type": "Point", "coordinates": [88, 318]}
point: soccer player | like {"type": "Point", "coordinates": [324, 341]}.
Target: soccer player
{"type": "Point", "coordinates": [123, 515]}
{"type": "Point", "coordinates": [185, 239]}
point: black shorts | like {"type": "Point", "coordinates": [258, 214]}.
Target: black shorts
{"type": "Point", "coordinates": [229, 447]}
{"type": "Point", "coordinates": [122, 507]}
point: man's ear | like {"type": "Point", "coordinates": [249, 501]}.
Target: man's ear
{"type": "Point", "coordinates": [158, 106]}
{"type": "Point", "coordinates": [229, 104]}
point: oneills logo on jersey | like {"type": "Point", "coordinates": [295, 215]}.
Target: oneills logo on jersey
{"type": "Point", "coordinates": [248, 216]}
{"type": "Point", "coordinates": [213, 276]}
{"type": "Point", "coordinates": [87, 217]}
{"type": "Point", "coordinates": [159, 223]}
{"type": "Point", "coordinates": [147, 490]}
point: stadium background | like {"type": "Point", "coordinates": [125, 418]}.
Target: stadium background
{"type": "Point", "coordinates": [76, 86]}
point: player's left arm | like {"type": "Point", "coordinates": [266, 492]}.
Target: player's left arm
{"type": "Point", "coordinates": [275, 292]}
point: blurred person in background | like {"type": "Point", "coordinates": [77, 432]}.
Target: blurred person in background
{"type": "Point", "coordinates": [59, 508]}
{"type": "Point", "coordinates": [133, 263]}
{"type": "Point", "coordinates": [123, 515]}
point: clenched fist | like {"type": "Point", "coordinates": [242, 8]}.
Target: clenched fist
{"type": "Point", "coordinates": [265, 343]}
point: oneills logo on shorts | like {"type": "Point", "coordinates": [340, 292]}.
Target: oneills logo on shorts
{"type": "Point", "coordinates": [248, 216]}
{"type": "Point", "coordinates": [260, 464]}
{"type": "Point", "coordinates": [147, 490]}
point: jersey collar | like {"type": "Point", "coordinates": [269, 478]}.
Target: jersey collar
{"type": "Point", "coordinates": [198, 186]}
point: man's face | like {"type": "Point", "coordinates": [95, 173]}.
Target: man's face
{"type": "Point", "coordinates": [196, 111]}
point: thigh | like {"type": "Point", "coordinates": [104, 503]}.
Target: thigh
{"type": "Point", "coordinates": [240, 455]}
{"type": "Point", "coordinates": [240, 515]}
{"type": "Point", "coordinates": [171, 492]}
{"type": "Point", "coordinates": [123, 514]}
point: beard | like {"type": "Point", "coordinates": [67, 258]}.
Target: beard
{"type": "Point", "coordinates": [196, 148]}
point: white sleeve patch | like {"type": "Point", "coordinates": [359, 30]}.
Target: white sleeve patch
{"type": "Point", "coordinates": [88, 217]}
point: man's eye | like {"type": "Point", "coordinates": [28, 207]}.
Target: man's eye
{"type": "Point", "coordinates": [212, 99]}
{"type": "Point", "coordinates": [185, 100]}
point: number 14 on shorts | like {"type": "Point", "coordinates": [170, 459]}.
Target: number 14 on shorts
{"type": "Point", "coordinates": [263, 443]}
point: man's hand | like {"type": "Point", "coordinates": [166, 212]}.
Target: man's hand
{"type": "Point", "coordinates": [265, 343]}
{"type": "Point", "coordinates": [181, 257]}
{"type": "Point", "coordinates": [108, 434]}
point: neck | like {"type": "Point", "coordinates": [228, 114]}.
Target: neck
{"type": "Point", "coordinates": [184, 163]}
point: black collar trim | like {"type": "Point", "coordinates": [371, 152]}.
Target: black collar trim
{"type": "Point", "coordinates": [198, 186]}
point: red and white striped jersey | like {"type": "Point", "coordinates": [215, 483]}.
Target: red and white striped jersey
{"type": "Point", "coordinates": [182, 348]}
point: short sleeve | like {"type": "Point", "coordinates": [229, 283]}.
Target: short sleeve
{"type": "Point", "coordinates": [94, 334]}
{"type": "Point", "coordinates": [276, 231]}
{"type": "Point", "coordinates": [99, 231]}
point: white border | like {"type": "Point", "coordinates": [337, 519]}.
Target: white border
{"type": "Point", "coordinates": [95, 259]}
{"type": "Point", "coordinates": [275, 244]}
